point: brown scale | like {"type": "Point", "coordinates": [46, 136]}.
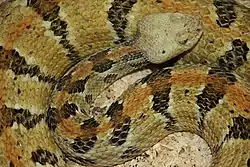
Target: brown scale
{"type": "Point", "coordinates": [240, 128]}
{"type": "Point", "coordinates": [77, 86]}
{"type": "Point", "coordinates": [160, 105]}
{"type": "Point", "coordinates": [103, 66]}
{"type": "Point", "coordinates": [68, 110]}
{"type": "Point", "coordinates": [83, 145]}
{"type": "Point", "coordinates": [20, 67]}
{"type": "Point", "coordinates": [49, 10]}
{"type": "Point", "coordinates": [117, 16]}
{"type": "Point", "coordinates": [120, 132]}
{"type": "Point", "coordinates": [225, 12]}
{"type": "Point", "coordinates": [44, 156]}
{"type": "Point", "coordinates": [52, 118]}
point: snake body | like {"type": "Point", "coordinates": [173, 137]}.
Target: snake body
{"type": "Point", "coordinates": [58, 56]}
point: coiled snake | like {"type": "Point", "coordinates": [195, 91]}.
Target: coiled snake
{"type": "Point", "coordinates": [58, 56]}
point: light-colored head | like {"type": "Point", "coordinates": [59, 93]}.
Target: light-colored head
{"type": "Point", "coordinates": [166, 35]}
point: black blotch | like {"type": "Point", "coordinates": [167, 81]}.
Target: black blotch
{"type": "Point", "coordinates": [83, 145]}
{"type": "Point", "coordinates": [18, 91]}
{"type": "Point", "coordinates": [207, 100]}
{"type": "Point", "coordinates": [160, 105]}
{"type": "Point", "coordinates": [240, 128]}
{"type": "Point", "coordinates": [19, 66]}
{"type": "Point", "coordinates": [24, 117]}
{"type": "Point", "coordinates": [229, 62]}
{"type": "Point", "coordinates": [231, 111]}
{"type": "Point", "coordinates": [225, 12]}
{"type": "Point", "coordinates": [117, 16]}
{"type": "Point", "coordinates": [114, 109]}
{"type": "Point", "coordinates": [62, 82]}
{"type": "Point", "coordinates": [89, 98]}
{"type": "Point", "coordinates": [68, 110]}
{"type": "Point", "coordinates": [50, 12]}
{"type": "Point", "coordinates": [89, 123]}
{"type": "Point", "coordinates": [135, 59]}
{"type": "Point", "coordinates": [51, 118]}
{"type": "Point", "coordinates": [235, 57]}
{"type": "Point", "coordinates": [162, 73]}
{"type": "Point", "coordinates": [44, 156]}
{"type": "Point", "coordinates": [120, 132]}
{"type": "Point", "coordinates": [77, 86]}
{"type": "Point", "coordinates": [110, 78]}
{"type": "Point", "coordinates": [103, 66]}
{"type": "Point", "coordinates": [186, 91]}
{"type": "Point", "coordinates": [248, 162]}
{"type": "Point", "coordinates": [11, 164]}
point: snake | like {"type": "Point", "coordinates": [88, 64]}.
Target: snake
{"type": "Point", "coordinates": [58, 57]}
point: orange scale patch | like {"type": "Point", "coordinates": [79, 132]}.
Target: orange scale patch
{"type": "Point", "coordinates": [17, 29]}
{"type": "Point", "coordinates": [134, 101]}
{"type": "Point", "coordinates": [239, 97]}
{"type": "Point", "coordinates": [61, 98]}
{"type": "Point", "coordinates": [82, 71]}
{"type": "Point", "coordinates": [116, 54]}
{"type": "Point", "coordinates": [188, 77]}
{"type": "Point", "coordinates": [71, 130]}
{"type": "Point", "coordinates": [11, 151]}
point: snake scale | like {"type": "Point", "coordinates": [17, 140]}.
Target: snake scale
{"type": "Point", "coordinates": [58, 56]}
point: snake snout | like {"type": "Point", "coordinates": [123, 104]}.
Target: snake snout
{"type": "Point", "coordinates": [163, 36]}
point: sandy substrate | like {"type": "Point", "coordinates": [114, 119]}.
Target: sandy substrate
{"type": "Point", "coordinates": [177, 150]}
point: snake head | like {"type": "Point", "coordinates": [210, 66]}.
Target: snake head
{"type": "Point", "coordinates": [163, 36]}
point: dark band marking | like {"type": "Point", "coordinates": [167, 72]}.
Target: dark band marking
{"type": "Point", "coordinates": [240, 128]}
{"type": "Point", "coordinates": [120, 132]}
{"type": "Point", "coordinates": [248, 162]}
{"type": "Point", "coordinates": [62, 82]}
{"type": "Point", "coordinates": [114, 110]}
{"type": "Point", "coordinates": [225, 12]}
{"type": "Point", "coordinates": [232, 60]}
{"type": "Point", "coordinates": [235, 57]}
{"type": "Point", "coordinates": [4, 63]}
{"type": "Point", "coordinates": [49, 11]}
{"type": "Point", "coordinates": [83, 145]}
{"type": "Point", "coordinates": [131, 152]}
{"type": "Point", "coordinates": [162, 73]}
{"type": "Point", "coordinates": [51, 118]}
{"type": "Point", "coordinates": [7, 118]}
{"type": "Point", "coordinates": [11, 164]}
{"type": "Point", "coordinates": [110, 78]}
{"type": "Point", "coordinates": [99, 55]}
{"type": "Point", "coordinates": [89, 98]}
{"type": "Point", "coordinates": [77, 86]}
{"type": "Point", "coordinates": [117, 16]}
{"type": "Point", "coordinates": [23, 116]}
{"type": "Point", "coordinates": [103, 66]}
{"type": "Point", "coordinates": [160, 105]}
{"type": "Point", "coordinates": [44, 156]}
{"type": "Point", "coordinates": [90, 123]}
{"type": "Point", "coordinates": [19, 66]}
{"type": "Point", "coordinates": [135, 59]}
{"type": "Point", "coordinates": [68, 110]}
{"type": "Point", "coordinates": [226, 64]}
{"type": "Point", "coordinates": [208, 100]}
